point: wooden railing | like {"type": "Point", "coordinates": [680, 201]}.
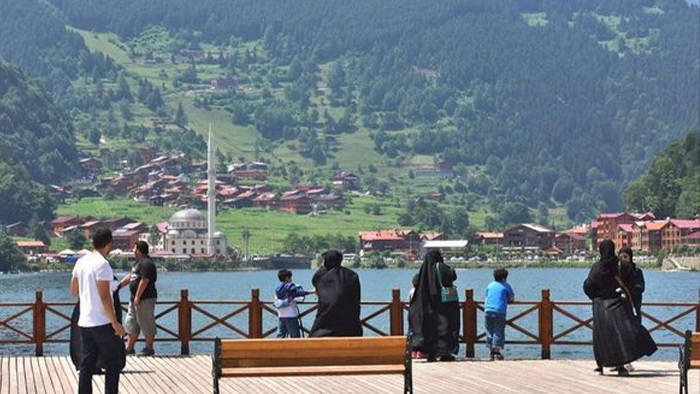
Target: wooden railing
{"type": "Point", "coordinates": [27, 322]}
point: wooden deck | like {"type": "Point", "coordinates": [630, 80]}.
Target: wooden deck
{"type": "Point", "coordinates": [183, 374]}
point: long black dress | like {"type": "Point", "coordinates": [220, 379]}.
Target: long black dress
{"type": "Point", "coordinates": [634, 280]}
{"type": "Point", "coordinates": [338, 291]}
{"type": "Point", "coordinates": [618, 338]}
{"type": "Point", "coordinates": [434, 324]}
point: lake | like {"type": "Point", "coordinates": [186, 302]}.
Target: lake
{"type": "Point", "coordinates": [565, 284]}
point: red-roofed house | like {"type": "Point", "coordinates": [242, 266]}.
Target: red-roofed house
{"type": "Point", "coordinates": [392, 240]}
{"type": "Point", "coordinates": [32, 247]}
{"type": "Point", "coordinates": [489, 238]}
{"type": "Point", "coordinates": [60, 223]}
{"type": "Point", "coordinates": [125, 239]}
{"type": "Point", "coordinates": [692, 239]}
{"type": "Point", "coordinates": [529, 236]}
{"type": "Point", "coordinates": [624, 236]}
{"type": "Point", "coordinates": [607, 224]}
{"type": "Point", "coordinates": [296, 203]}
{"type": "Point", "coordinates": [570, 242]}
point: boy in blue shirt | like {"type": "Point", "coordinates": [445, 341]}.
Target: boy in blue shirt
{"type": "Point", "coordinates": [498, 295]}
{"type": "Point", "coordinates": [287, 293]}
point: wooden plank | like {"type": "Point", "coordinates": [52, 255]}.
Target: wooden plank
{"type": "Point", "coordinates": [308, 343]}
{"type": "Point", "coordinates": [69, 372]}
{"type": "Point", "coordinates": [61, 384]}
{"type": "Point", "coordinates": [363, 359]}
{"type": "Point", "coordinates": [184, 381]}
{"type": "Point", "coordinates": [4, 375]}
{"type": "Point", "coordinates": [310, 371]}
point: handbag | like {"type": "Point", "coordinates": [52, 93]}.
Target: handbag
{"type": "Point", "coordinates": [447, 293]}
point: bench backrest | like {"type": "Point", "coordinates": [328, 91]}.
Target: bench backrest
{"type": "Point", "coordinates": [242, 353]}
{"type": "Point", "coordinates": [695, 347]}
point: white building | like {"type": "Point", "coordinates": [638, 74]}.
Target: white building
{"type": "Point", "coordinates": [188, 234]}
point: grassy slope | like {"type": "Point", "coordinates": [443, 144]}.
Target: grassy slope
{"type": "Point", "coordinates": [268, 229]}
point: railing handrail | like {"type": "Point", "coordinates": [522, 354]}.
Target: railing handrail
{"type": "Point", "coordinates": [543, 334]}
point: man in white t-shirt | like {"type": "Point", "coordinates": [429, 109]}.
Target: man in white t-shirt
{"type": "Point", "coordinates": [100, 331]}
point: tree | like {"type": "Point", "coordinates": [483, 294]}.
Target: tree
{"type": "Point", "coordinates": [460, 222]}
{"type": "Point", "coordinates": [37, 230]}
{"type": "Point", "coordinates": [515, 212]}
{"type": "Point", "coordinates": [154, 235]}
{"type": "Point", "coordinates": [245, 235]}
{"type": "Point", "coordinates": [180, 117]}
{"type": "Point", "coordinates": [76, 240]}
{"type": "Point", "coordinates": [12, 258]}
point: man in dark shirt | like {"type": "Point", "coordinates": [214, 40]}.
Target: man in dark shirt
{"type": "Point", "coordinates": [141, 314]}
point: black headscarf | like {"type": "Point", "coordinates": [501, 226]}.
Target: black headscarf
{"type": "Point", "coordinates": [633, 278]}
{"type": "Point", "coordinates": [434, 324]}
{"type": "Point", "coordinates": [601, 282]}
{"type": "Point", "coordinates": [338, 290]}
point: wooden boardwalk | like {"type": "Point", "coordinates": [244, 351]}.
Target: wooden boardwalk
{"type": "Point", "coordinates": [192, 374]}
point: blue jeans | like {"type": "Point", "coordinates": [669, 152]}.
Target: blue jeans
{"type": "Point", "coordinates": [495, 330]}
{"type": "Point", "coordinates": [288, 327]}
{"type": "Point", "coordinates": [100, 341]}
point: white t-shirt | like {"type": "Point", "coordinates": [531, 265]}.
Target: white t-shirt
{"type": "Point", "coordinates": [290, 309]}
{"type": "Point", "coordinates": [88, 270]}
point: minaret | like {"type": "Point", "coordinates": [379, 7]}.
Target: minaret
{"type": "Point", "coordinates": [211, 196]}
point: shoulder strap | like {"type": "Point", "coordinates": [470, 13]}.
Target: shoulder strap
{"type": "Point", "coordinates": [625, 289]}
{"type": "Point", "coordinates": [439, 275]}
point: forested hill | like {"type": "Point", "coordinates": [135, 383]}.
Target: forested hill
{"type": "Point", "coordinates": [34, 36]}
{"type": "Point", "coordinates": [671, 187]}
{"type": "Point", "coordinates": [36, 145]}
{"type": "Point", "coordinates": [559, 101]}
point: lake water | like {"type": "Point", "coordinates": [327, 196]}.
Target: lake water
{"type": "Point", "coordinates": [565, 284]}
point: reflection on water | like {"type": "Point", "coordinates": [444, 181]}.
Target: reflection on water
{"type": "Point", "coordinates": [565, 284]}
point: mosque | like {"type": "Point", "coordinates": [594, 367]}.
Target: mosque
{"type": "Point", "coordinates": [190, 231]}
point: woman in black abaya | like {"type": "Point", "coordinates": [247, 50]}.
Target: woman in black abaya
{"type": "Point", "coordinates": [338, 290]}
{"type": "Point", "coordinates": [435, 324]}
{"type": "Point", "coordinates": [618, 338]}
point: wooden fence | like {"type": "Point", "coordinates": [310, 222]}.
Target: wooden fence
{"type": "Point", "coordinates": [541, 334]}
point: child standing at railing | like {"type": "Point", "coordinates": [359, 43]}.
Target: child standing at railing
{"type": "Point", "coordinates": [498, 295]}
{"type": "Point", "coordinates": [287, 294]}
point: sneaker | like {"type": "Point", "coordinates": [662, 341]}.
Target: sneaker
{"type": "Point", "coordinates": [498, 356]}
{"type": "Point", "coordinates": [448, 357]}
{"type": "Point", "coordinates": [131, 352]}
{"type": "Point", "coordinates": [599, 370]}
{"type": "Point", "coordinates": [146, 352]}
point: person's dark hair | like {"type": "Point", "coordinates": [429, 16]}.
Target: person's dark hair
{"type": "Point", "coordinates": [500, 274]}
{"type": "Point", "coordinates": [415, 280]}
{"type": "Point", "coordinates": [142, 247]}
{"type": "Point", "coordinates": [283, 274]}
{"type": "Point", "coordinates": [102, 237]}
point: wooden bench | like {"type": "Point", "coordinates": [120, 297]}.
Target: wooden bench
{"type": "Point", "coordinates": [689, 358]}
{"type": "Point", "coordinates": [312, 356]}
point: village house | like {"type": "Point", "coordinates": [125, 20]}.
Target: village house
{"type": "Point", "coordinates": [528, 237]}
{"type": "Point", "coordinates": [346, 180]}
{"type": "Point", "coordinates": [124, 239]}
{"type": "Point", "coordinates": [570, 242]}
{"type": "Point", "coordinates": [116, 223]}
{"type": "Point", "coordinates": [296, 203]}
{"type": "Point", "coordinates": [89, 228]}
{"type": "Point", "coordinates": [606, 224]}
{"type": "Point", "coordinates": [32, 248]}
{"type": "Point", "coordinates": [488, 238]}
{"type": "Point", "coordinates": [395, 240]}
{"type": "Point", "coordinates": [61, 223]}
{"type": "Point", "coordinates": [17, 229]}
{"type": "Point", "coordinates": [90, 165]}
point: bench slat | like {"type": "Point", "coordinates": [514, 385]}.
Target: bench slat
{"type": "Point", "coordinates": [312, 371]}
{"type": "Point", "coordinates": [317, 343]}
{"type": "Point", "coordinates": [364, 359]}
{"type": "Point", "coordinates": [314, 352]}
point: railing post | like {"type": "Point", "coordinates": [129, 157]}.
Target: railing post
{"type": "Point", "coordinates": [469, 331]}
{"type": "Point", "coordinates": [697, 314]}
{"type": "Point", "coordinates": [546, 324]}
{"type": "Point", "coordinates": [396, 313]}
{"type": "Point", "coordinates": [39, 323]}
{"type": "Point", "coordinates": [184, 313]}
{"type": "Point", "coordinates": [255, 315]}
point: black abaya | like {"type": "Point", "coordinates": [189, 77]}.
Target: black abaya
{"type": "Point", "coordinates": [435, 324]}
{"type": "Point", "coordinates": [338, 290]}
